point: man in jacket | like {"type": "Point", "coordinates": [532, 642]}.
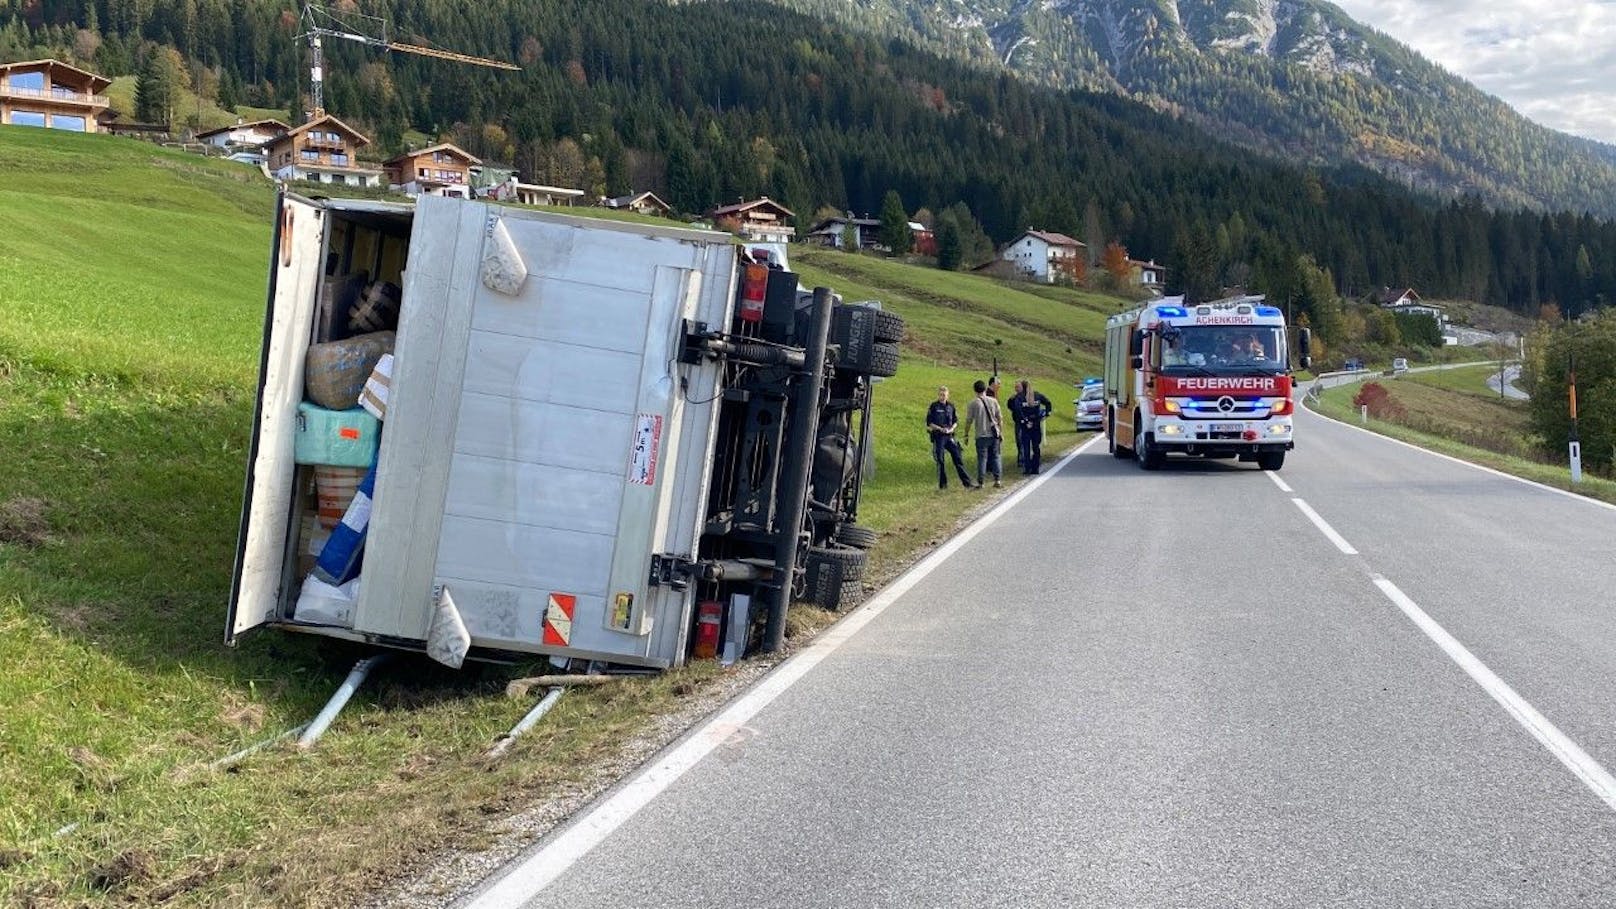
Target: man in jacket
{"type": "Point", "coordinates": [985, 422]}
{"type": "Point", "coordinates": [941, 421]}
{"type": "Point", "coordinates": [1031, 409]}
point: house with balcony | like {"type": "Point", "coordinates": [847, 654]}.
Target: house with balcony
{"type": "Point", "coordinates": [763, 220]}
{"type": "Point", "coordinates": [244, 135]}
{"type": "Point", "coordinates": [861, 233]}
{"type": "Point", "coordinates": [1407, 300]}
{"type": "Point", "coordinates": [53, 95]}
{"type": "Point", "coordinates": [1045, 256]}
{"type": "Point", "coordinates": [321, 151]}
{"type": "Point", "coordinates": [1148, 275]}
{"type": "Point", "coordinates": [442, 170]}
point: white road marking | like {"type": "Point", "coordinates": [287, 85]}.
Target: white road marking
{"type": "Point", "coordinates": [1471, 464]}
{"type": "Point", "coordinates": [1278, 482]}
{"type": "Point", "coordinates": [1570, 754]}
{"type": "Point", "coordinates": [539, 870]}
{"type": "Point", "coordinates": [1336, 538]}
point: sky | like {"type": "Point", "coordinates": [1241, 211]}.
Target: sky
{"type": "Point", "coordinates": [1552, 60]}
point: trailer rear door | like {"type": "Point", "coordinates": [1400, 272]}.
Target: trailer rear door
{"type": "Point", "coordinates": [546, 442]}
{"type": "Point", "coordinates": [267, 503]}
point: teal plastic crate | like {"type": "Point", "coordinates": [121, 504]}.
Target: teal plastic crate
{"type": "Point", "coordinates": [339, 438]}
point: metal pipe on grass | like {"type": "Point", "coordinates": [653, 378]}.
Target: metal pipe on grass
{"type": "Point", "coordinates": [527, 722]}
{"type": "Point", "coordinates": [339, 700]}
{"type": "Point", "coordinates": [231, 760]}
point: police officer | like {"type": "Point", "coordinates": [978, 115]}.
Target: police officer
{"type": "Point", "coordinates": [941, 420]}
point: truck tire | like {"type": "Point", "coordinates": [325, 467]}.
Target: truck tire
{"type": "Point", "coordinates": [1149, 457]}
{"type": "Point", "coordinates": [855, 535]}
{"type": "Point", "coordinates": [823, 586]}
{"type": "Point", "coordinates": [831, 575]}
{"type": "Point", "coordinates": [884, 360]}
{"type": "Point", "coordinates": [849, 561]}
{"type": "Point", "coordinates": [852, 594]}
{"type": "Point", "coordinates": [888, 327]}
{"type": "Point", "coordinates": [1271, 460]}
{"type": "Point", "coordinates": [1117, 451]}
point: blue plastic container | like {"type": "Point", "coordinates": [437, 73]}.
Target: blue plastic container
{"type": "Point", "coordinates": [338, 438]}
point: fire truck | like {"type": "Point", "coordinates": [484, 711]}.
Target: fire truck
{"type": "Point", "coordinates": [1205, 379]}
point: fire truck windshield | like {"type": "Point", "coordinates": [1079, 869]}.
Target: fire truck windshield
{"type": "Point", "coordinates": [1222, 349]}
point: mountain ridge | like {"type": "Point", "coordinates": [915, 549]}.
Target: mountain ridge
{"type": "Point", "coordinates": [1299, 78]}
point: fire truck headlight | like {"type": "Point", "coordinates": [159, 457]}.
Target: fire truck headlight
{"type": "Point", "coordinates": [1278, 429]}
{"type": "Point", "coordinates": [1170, 406]}
{"type": "Point", "coordinates": [1170, 430]}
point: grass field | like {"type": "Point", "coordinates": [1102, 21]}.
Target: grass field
{"type": "Point", "coordinates": [1458, 416]}
{"type": "Point", "coordinates": [132, 282]}
{"type": "Point", "coordinates": [1078, 320]}
{"type": "Point", "coordinates": [1471, 380]}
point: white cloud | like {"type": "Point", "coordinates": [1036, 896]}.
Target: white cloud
{"type": "Point", "coordinates": [1555, 62]}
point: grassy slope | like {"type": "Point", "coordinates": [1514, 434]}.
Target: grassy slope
{"type": "Point", "coordinates": [131, 290]}
{"type": "Point", "coordinates": [122, 94]}
{"type": "Point", "coordinates": [1453, 412]}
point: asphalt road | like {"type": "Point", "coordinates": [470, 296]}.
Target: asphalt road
{"type": "Point", "coordinates": [1171, 689]}
{"type": "Point", "coordinates": [1511, 375]}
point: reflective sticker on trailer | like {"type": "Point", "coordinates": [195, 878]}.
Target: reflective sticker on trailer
{"type": "Point", "coordinates": [622, 614]}
{"type": "Point", "coordinates": [642, 456]}
{"type": "Point", "coordinates": [558, 619]}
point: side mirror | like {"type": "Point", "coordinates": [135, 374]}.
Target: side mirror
{"type": "Point", "coordinates": [1136, 362]}
{"type": "Point", "coordinates": [1304, 344]}
{"type": "Point", "coordinates": [1136, 345]}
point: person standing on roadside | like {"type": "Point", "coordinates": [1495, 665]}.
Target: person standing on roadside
{"type": "Point", "coordinates": [941, 421]}
{"type": "Point", "coordinates": [1014, 407]}
{"type": "Point", "coordinates": [1031, 409]}
{"type": "Point", "coordinates": [985, 422]}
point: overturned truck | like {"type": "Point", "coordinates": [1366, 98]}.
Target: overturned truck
{"type": "Point", "coordinates": [483, 431]}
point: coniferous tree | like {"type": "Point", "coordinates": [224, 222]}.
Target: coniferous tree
{"type": "Point", "coordinates": [950, 247]}
{"type": "Point", "coordinates": [895, 232]}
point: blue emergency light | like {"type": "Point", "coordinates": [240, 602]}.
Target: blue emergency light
{"type": "Point", "coordinates": [1267, 311]}
{"type": "Point", "coordinates": [1172, 312]}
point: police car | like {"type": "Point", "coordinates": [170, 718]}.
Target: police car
{"type": "Point", "coordinates": [1089, 405]}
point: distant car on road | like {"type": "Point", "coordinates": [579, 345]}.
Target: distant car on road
{"type": "Point", "coordinates": [1353, 365]}
{"type": "Point", "coordinates": [1399, 366]}
{"type": "Point", "coordinates": [1090, 407]}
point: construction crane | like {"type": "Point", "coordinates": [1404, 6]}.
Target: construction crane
{"type": "Point", "coordinates": [318, 23]}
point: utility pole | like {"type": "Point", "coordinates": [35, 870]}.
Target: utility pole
{"type": "Point", "coordinates": [1576, 445]}
{"type": "Point", "coordinates": [1503, 351]}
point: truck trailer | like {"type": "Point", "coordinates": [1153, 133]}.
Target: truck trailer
{"type": "Point", "coordinates": [1207, 379]}
{"type": "Point", "coordinates": [484, 432]}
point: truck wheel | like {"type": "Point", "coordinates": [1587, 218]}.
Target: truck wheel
{"type": "Point", "coordinates": [884, 360]}
{"type": "Point", "coordinates": [850, 561]}
{"type": "Point", "coordinates": [824, 586]}
{"type": "Point", "coordinates": [851, 594]}
{"type": "Point", "coordinates": [1117, 451]}
{"type": "Point", "coordinates": [855, 535]}
{"type": "Point", "coordinates": [1149, 457]}
{"type": "Point", "coordinates": [888, 327]}
{"type": "Point", "coordinates": [1271, 460]}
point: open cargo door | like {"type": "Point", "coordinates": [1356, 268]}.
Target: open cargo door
{"type": "Point", "coordinates": [267, 503]}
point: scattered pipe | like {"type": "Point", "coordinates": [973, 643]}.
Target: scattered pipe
{"type": "Point", "coordinates": [503, 743]}
{"type": "Point", "coordinates": [356, 677]}
{"type": "Point", "coordinates": [519, 688]}
{"type": "Point", "coordinates": [229, 761]}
